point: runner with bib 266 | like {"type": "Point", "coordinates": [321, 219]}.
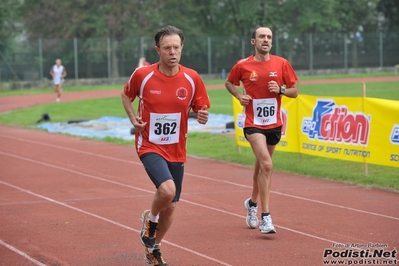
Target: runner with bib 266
{"type": "Point", "coordinates": [265, 78]}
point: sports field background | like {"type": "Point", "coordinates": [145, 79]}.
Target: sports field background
{"type": "Point", "coordinates": [220, 147]}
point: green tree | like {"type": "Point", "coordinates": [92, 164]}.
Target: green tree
{"type": "Point", "coordinates": [85, 19]}
{"type": "Point", "coordinates": [390, 14]}
{"type": "Point", "coordinates": [9, 20]}
{"type": "Point", "coordinates": [355, 17]}
{"type": "Point", "coordinates": [10, 27]}
{"type": "Point", "coordinates": [293, 22]}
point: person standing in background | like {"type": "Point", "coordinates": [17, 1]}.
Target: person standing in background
{"type": "Point", "coordinates": [58, 72]}
{"type": "Point", "coordinates": [266, 78]}
{"type": "Point", "coordinates": [166, 92]}
{"type": "Point", "coordinates": [142, 62]}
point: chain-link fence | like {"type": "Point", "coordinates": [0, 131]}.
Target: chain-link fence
{"type": "Point", "coordinates": [31, 60]}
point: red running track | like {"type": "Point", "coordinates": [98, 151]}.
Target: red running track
{"type": "Point", "coordinates": [69, 201]}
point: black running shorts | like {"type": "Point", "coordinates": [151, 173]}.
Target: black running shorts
{"type": "Point", "coordinates": [273, 135]}
{"type": "Point", "coordinates": [160, 170]}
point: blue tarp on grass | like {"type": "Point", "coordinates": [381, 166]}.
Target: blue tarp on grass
{"type": "Point", "coordinates": [117, 127]}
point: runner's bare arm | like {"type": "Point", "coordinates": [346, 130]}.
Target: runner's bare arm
{"type": "Point", "coordinates": [136, 121]}
{"type": "Point", "coordinates": [291, 92]}
{"type": "Point", "coordinates": [243, 98]}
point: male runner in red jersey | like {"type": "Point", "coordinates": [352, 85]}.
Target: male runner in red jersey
{"type": "Point", "coordinates": [265, 78]}
{"type": "Point", "coordinates": [166, 92]}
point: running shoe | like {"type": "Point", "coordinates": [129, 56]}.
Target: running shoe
{"type": "Point", "coordinates": [154, 258]}
{"type": "Point", "coordinates": [252, 215]}
{"type": "Point", "coordinates": [148, 231]}
{"type": "Point", "coordinates": [266, 225]}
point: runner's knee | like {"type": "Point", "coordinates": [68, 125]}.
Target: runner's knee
{"type": "Point", "coordinates": [266, 166]}
{"type": "Point", "coordinates": [167, 191]}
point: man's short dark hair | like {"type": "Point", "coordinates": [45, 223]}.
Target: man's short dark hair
{"type": "Point", "coordinates": [168, 30]}
{"type": "Point", "coordinates": [254, 32]}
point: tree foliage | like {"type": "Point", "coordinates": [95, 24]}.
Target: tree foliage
{"type": "Point", "coordinates": [10, 18]}
{"type": "Point", "coordinates": [390, 11]}
{"type": "Point", "coordinates": [85, 19]}
{"type": "Point", "coordinates": [121, 19]}
{"type": "Point", "coordinates": [357, 15]}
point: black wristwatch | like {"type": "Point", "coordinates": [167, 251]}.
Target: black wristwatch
{"type": "Point", "coordinates": [282, 90]}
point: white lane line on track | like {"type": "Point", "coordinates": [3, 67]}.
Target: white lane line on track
{"type": "Point", "coordinates": [301, 198]}
{"type": "Point", "coordinates": [112, 222]}
{"type": "Point", "coordinates": [203, 177]}
{"type": "Point", "coordinates": [129, 186]}
{"type": "Point", "coordinates": [19, 252]}
{"type": "Point", "coordinates": [278, 226]}
{"type": "Point", "coordinates": [69, 200]}
{"type": "Point", "coordinates": [69, 149]}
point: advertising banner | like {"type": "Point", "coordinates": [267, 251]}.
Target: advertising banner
{"type": "Point", "coordinates": [384, 131]}
{"type": "Point", "coordinates": [347, 128]}
{"type": "Point", "coordinates": [289, 133]}
{"type": "Point", "coordinates": [336, 128]}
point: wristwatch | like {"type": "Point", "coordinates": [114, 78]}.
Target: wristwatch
{"type": "Point", "coordinates": [282, 90]}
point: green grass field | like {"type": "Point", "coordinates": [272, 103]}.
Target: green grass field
{"type": "Point", "coordinates": [222, 146]}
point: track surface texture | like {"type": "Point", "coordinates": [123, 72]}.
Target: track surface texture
{"type": "Point", "coordinates": [71, 201]}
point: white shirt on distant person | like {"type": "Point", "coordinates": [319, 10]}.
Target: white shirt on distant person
{"type": "Point", "coordinates": [57, 71]}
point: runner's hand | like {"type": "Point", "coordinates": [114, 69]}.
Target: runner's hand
{"type": "Point", "coordinates": [202, 115]}
{"type": "Point", "coordinates": [138, 124]}
{"type": "Point", "coordinates": [245, 100]}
